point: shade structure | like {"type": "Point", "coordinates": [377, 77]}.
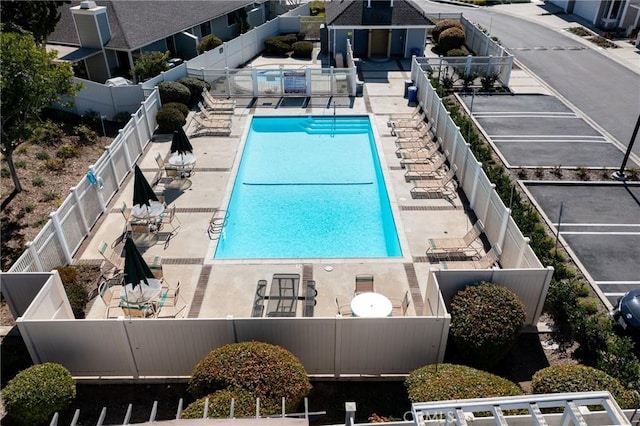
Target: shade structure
{"type": "Point", "coordinates": [180, 142]}
{"type": "Point", "coordinates": [136, 270]}
{"type": "Point", "coordinates": [142, 192]}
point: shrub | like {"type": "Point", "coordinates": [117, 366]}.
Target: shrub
{"type": "Point", "coordinates": [266, 371]}
{"type": "Point", "coordinates": [122, 117]}
{"type": "Point", "coordinates": [172, 91]}
{"type": "Point", "coordinates": [579, 378]}
{"type": "Point", "coordinates": [78, 298]}
{"type": "Point", "coordinates": [168, 118]}
{"type": "Point", "coordinates": [5, 173]}
{"type": "Point", "coordinates": [440, 382]}
{"type": "Point", "coordinates": [42, 155]}
{"type": "Point", "coordinates": [288, 38]}
{"type": "Point", "coordinates": [35, 394]}
{"type": "Point", "coordinates": [37, 181]}
{"type": "Point", "coordinates": [68, 274]}
{"type": "Point", "coordinates": [220, 405]}
{"type": "Point", "coordinates": [86, 134]}
{"type": "Point", "coordinates": [47, 133]}
{"type": "Point", "coordinates": [589, 304]}
{"type": "Point", "coordinates": [54, 164]}
{"type": "Point", "coordinates": [49, 196]}
{"type": "Point", "coordinates": [195, 86]}
{"type": "Point", "coordinates": [180, 107]}
{"type": "Point", "coordinates": [445, 24]}
{"type": "Point", "coordinates": [20, 164]}
{"type": "Point", "coordinates": [461, 51]}
{"type": "Point", "coordinates": [302, 49]}
{"type": "Point", "coordinates": [68, 150]}
{"type": "Point", "coordinates": [150, 64]}
{"type": "Point", "coordinates": [452, 38]}
{"type": "Point", "coordinates": [488, 81]}
{"type": "Point", "coordinates": [207, 43]}
{"type": "Point", "coordinates": [618, 360]}
{"type": "Point", "coordinates": [485, 322]}
{"type": "Point", "coordinates": [275, 46]}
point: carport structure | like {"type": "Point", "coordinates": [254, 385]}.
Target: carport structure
{"type": "Point", "coordinates": [531, 131]}
{"type": "Point", "coordinates": [599, 226]}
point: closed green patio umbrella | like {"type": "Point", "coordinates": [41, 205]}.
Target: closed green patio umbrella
{"type": "Point", "coordinates": [142, 192]}
{"type": "Point", "coordinates": [136, 270]}
{"type": "Point", "coordinates": [180, 142]}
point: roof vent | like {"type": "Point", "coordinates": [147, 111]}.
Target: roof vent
{"type": "Point", "coordinates": [87, 4]}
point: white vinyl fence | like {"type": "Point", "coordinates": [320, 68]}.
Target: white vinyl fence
{"type": "Point", "coordinates": [500, 227]}
{"type": "Point", "coordinates": [67, 227]}
{"type": "Point", "coordinates": [147, 348]}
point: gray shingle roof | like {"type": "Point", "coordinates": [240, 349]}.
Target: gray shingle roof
{"type": "Point", "coordinates": [355, 12]}
{"type": "Point", "coordinates": [137, 23]}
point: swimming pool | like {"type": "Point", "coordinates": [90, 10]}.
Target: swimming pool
{"type": "Point", "coordinates": [309, 187]}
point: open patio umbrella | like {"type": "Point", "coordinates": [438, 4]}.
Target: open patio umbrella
{"type": "Point", "coordinates": [180, 142]}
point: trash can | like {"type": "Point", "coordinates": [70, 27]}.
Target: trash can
{"type": "Point", "coordinates": [413, 94]}
{"type": "Point", "coordinates": [407, 83]}
{"type": "Point", "coordinates": [415, 51]}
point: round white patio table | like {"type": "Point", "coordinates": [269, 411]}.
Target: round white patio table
{"type": "Point", "coordinates": [141, 211]}
{"type": "Point", "coordinates": [142, 293]}
{"type": "Point", "coordinates": [371, 305]}
{"type": "Point", "coordinates": [187, 159]}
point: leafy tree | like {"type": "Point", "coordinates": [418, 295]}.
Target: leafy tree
{"type": "Point", "coordinates": [150, 64]}
{"type": "Point", "coordinates": [30, 81]}
{"type": "Point", "coordinates": [37, 17]}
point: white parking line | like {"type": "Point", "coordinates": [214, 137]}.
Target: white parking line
{"type": "Point", "coordinates": [568, 114]}
{"type": "Point", "coordinates": [599, 224]}
{"type": "Point", "coordinates": [551, 136]}
{"type": "Point", "coordinates": [618, 282]}
{"type": "Point", "coordinates": [550, 140]}
{"type": "Point", "coordinates": [598, 233]}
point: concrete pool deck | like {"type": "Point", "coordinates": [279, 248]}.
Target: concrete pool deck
{"type": "Point", "coordinates": [219, 288]}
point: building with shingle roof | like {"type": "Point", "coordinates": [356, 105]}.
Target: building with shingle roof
{"type": "Point", "coordinates": [376, 28]}
{"type": "Point", "coordinates": [109, 35]}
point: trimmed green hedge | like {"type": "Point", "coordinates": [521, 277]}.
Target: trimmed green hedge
{"type": "Point", "coordinates": [220, 405]}
{"type": "Point", "coordinates": [172, 91]}
{"type": "Point", "coordinates": [168, 118]}
{"type": "Point", "coordinates": [207, 43]}
{"type": "Point", "coordinates": [485, 322]}
{"type": "Point", "coordinates": [579, 378]}
{"type": "Point", "coordinates": [266, 371]}
{"type": "Point", "coordinates": [180, 107]}
{"type": "Point", "coordinates": [452, 38]}
{"type": "Point", "coordinates": [195, 86]}
{"type": "Point", "coordinates": [302, 49]}
{"type": "Point", "coordinates": [441, 382]}
{"type": "Point", "coordinates": [37, 393]}
{"type": "Point", "coordinates": [445, 24]}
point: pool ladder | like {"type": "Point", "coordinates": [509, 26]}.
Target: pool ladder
{"type": "Point", "coordinates": [216, 223]}
{"type": "Point", "coordinates": [333, 130]}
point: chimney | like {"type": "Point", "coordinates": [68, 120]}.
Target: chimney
{"type": "Point", "coordinates": [92, 24]}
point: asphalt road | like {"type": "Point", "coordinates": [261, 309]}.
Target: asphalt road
{"type": "Point", "coordinates": [604, 90]}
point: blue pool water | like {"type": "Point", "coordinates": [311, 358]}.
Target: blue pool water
{"type": "Point", "coordinates": [309, 187]}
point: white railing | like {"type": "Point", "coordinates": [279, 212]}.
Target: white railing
{"type": "Point", "coordinates": [485, 202]}
{"type": "Point", "coordinates": [67, 227]}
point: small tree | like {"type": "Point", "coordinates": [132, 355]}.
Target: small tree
{"type": "Point", "coordinates": [37, 393]}
{"type": "Point", "coordinates": [485, 322]}
{"type": "Point", "coordinates": [207, 43]}
{"type": "Point", "coordinates": [30, 81]}
{"type": "Point", "coordinates": [452, 38]}
{"type": "Point", "coordinates": [35, 16]}
{"type": "Point", "coordinates": [150, 64]}
{"type": "Point", "coordinates": [445, 24]}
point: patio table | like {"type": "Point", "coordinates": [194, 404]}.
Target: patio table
{"type": "Point", "coordinates": [183, 163]}
{"type": "Point", "coordinates": [283, 295]}
{"type": "Point", "coordinates": [151, 212]}
{"type": "Point", "coordinates": [142, 293]}
{"type": "Point", "coordinates": [371, 305]}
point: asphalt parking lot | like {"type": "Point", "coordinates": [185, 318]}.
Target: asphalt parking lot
{"type": "Point", "coordinates": [601, 224]}
{"type": "Point", "coordinates": [540, 131]}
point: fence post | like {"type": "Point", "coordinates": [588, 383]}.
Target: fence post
{"type": "Point", "coordinates": [474, 189]}
{"type": "Point", "coordinates": [337, 361]}
{"type": "Point", "coordinates": [467, 65]}
{"type": "Point", "coordinates": [308, 77]}
{"type": "Point", "coordinates": [103, 204]}
{"type": "Point", "coordinates": [349, 413]}
{"type": "Point", "coordinates": [125, 146]}
{"type": "Point", "coordinates": [503, 226]}
{"type": "Point", "coordinates": [76, 199]}
{"type": "Point", "coordinates": [36, 257]}
{"type": "Point", "coordinates": [489, 68]}
{"type": "Point", "coordinates": [507, 77]}
{"type": "Point", "coordinates": [331, 81]}
{"type": "Point", "coordinates": [53, 216]}
{"type": "Point", "coordinates": [147, 123]}
{"type": "Point", "coordinates": [485, 213]}
{"type": "Point", "coordinates": [254, 81]}
{"type": "Point", "coordinates": [527, 240]}
{"type": "Point", "coordinates": [227, 81]}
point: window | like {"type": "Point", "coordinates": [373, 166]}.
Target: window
{"type": "Point", "coordinates": [231, 19]}
{"type": "Point", "coordinates": [205, 29]}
